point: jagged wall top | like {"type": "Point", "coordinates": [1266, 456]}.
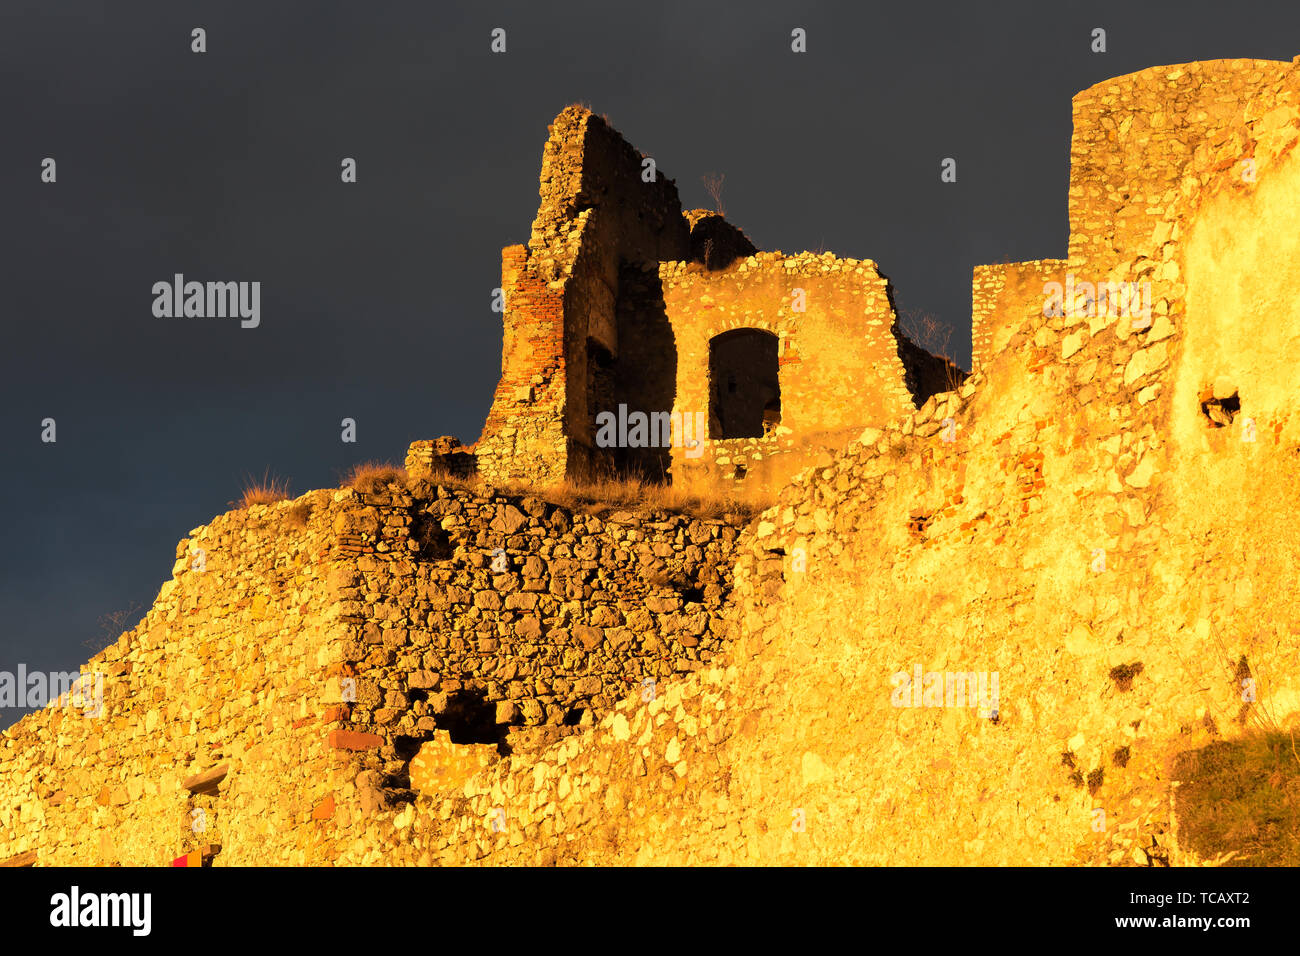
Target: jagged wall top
{"type": "Point", "coordinates": [587, 163]}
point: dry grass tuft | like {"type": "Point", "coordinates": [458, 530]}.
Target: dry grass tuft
{"type": "Point", "coordinates": [373, 477]}
{"type": "Point", "coordinates": [931, 335]}
{"type": "Point", "coordinates": [594, 498]}
{"type": "Point", "coordinates": [1242, 798]}
{"type": "Point", "coordinates": [633, 494]}
{"type": "Point", "coordinates": [444, 478]}
{"type": "Point", "coordinates": [266, 491]}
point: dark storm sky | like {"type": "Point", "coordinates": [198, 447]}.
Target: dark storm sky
{"type": "Point", "coordinates": [375, 296]}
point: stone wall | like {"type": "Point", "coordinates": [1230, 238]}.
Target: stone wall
{"type": "Point", "coordinates": [1103, 516]}
{"type": "Point", "coordinates": [716, 243]}
{"type": "Point", "coordinates": [1051, 521]}
{"type": "Point", "coordinates": [225, 670]}
{"type": "Point", "coordinates": [1060, 533]}
{"type": "Point", "coordinates": [838, 358]}
{"type": "Point", "coordinates": [1006, 289]}
{"type": "Point", "coordinates": [523, 436]}
{"type": "Point", "coordinates": [610, 304]}
{"type": "Point", "coordinates": [1134, 136]}
{"type": "Point", "coordinates": [303, 652]}
{"type": "Point", "coordinates": [440, 458]}
{"type": "Point", "coordinates": [505, 613]}
{"type": "Point", "coordinates": [597, 215]}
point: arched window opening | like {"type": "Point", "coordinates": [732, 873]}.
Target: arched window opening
{"type": "Point", "coordinates": [744, 385]}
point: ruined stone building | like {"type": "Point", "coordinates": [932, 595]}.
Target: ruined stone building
{"type": "Point", "coordinates": [422, 674]}
{"type": "Point", "coordinates": [742, 364]}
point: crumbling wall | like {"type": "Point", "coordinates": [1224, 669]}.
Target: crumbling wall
{"type": "Point", "coordinates": [1060, 534]}
{"type": "Point", "coordinates": [839, 366]}
{"type": "Point", "coordinates": [287, 675]}
{"type": "Point", "coordinates": [1006, 289]}
{"type": "Point", "coordinates": [535, 614]}
{"type": "Point", "coordinates": [225, 670]}
{"type": "Point", "coordinates": [606, 309]}
{"type": "Point", "coordinates": [716, 243]}
{"type": "Point", "coordinates": [1071, 519]}
{"type": "Point", "coordinates": [440, 458]}
{"type": "Point", "coordinates": [523, 437]}
{"type": "Point", "coordinates": [597, 215]}
{"type": "Point", "coordinates": [1051, 538]}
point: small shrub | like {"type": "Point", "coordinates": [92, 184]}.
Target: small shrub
{"type": "Point", "coordinates": [113, 625]}
{"type": "Point", "coordinates": [297, 515]}
{"type": "Point", "coordinates": [713, 186]}
{"type": "Point", "coordinates": [1123, 675]}
{"type": "Point", "coordinates": [372, 477]}
{"type": "Point", "coordinates": [1095, 779]}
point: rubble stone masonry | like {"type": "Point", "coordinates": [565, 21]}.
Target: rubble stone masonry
{"type": "Point", "coordinates": [1103, 515]}
{"type": "Point", "coordinates": [617, 298]}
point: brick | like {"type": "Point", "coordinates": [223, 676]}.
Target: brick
{"type": "Point", "coordinates": [354, 740]}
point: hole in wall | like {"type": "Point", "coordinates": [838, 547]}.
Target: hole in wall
{"type": "Point", "coordinates": [1220, 404]}
{"type": "Point", "coordinates": [433, 542]}
{"type": "Point", "coordinates": [470, 718]}
{"type": "Point", "coordinates": [574, 717]}
{"type": "Point", "coordinates": [406, 747]}
{"type": "Point", "coordinates": [771, 415]}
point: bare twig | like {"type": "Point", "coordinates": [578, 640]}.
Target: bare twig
{"type": "Point", "coordinates": [713, 186]}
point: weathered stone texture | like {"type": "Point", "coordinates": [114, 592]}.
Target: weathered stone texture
{"type": "Point", "coordinates": [289, 671]}
{"type": "Point", "coordinates": [608, 305]}
{"type": "Point", "coordinates": [1006, 290]}
{"type": "Point", "coordinates": [1136, 136]}
{"type": "Point", "coordinates": [1103, 514]}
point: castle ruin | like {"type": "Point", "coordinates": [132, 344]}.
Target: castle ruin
{"type": "Point", "coordinates": [1102, 515]}
{"type": "Point", "coordinates": [740, 365]}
